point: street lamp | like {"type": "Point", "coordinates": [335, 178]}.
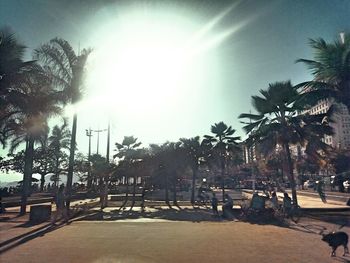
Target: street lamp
{"type": "Point", "coordinates": [98, 137]}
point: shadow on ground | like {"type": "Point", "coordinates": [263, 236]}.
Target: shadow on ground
{"type": "Point", "coordinates": [171, 213]}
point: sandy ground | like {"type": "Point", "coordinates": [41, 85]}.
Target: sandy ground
{"type": "Point", "coordinates": [157, 240]}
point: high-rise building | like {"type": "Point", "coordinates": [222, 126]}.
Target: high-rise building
{"type": "Point", "coordinates": [341, 125]}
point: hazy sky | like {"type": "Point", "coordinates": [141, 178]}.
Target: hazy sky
{"type": "Point", "coordinates": [239, 47]}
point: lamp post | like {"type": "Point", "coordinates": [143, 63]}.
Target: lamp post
{"type": "Point", "coordinates": [108, 140]}
{"type": "Point", "coordinates": [98, 137]}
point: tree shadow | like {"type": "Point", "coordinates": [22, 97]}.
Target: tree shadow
{"type": "Point", "coordinates": [21, 239]}
{"type": "Point", "coordinates": [338, 218]}
{"type": "Point", "coordinates": [341, 259]}
{"type": "Point", "coordinates": [167, 212]}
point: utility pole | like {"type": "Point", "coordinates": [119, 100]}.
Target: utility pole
{"type": "Point", "coordinates": [98, 137]}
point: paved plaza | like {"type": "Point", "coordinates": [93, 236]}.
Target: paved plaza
{"type": "Point", "coordinates": [159, 233]}
{"type": "Point", "coordinates": [164, 241]}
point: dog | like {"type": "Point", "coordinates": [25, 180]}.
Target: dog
{"type": "Point", "coordinates": [336, 239]}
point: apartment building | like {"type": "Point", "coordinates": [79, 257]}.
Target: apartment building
{"type": "Point", "coordinates": [341, 125]}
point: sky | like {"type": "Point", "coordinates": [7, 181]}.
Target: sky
{"type": "Point", "coordinates": [163, 70]}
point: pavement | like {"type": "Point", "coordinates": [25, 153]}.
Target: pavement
{"type": "Point", "coordinates": [161, 233]}
{"type": "Point", "coordinates": [159, 240]}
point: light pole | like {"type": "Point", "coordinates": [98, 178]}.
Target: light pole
{"type": "Point", "coordinates": [108, 140]}
{"type": "Point", "coordinates": [98, 137]}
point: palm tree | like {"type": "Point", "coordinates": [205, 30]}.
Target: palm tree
{"type": "Point", "coordinates": [31, 106]}
{"type": "Point", "coordinates": [12, 73]}
{"type": "Point", "coordinates": [196, 152]}
{"type": "Point", "coordinates": [128, 151]}
{"type": "Point", "coordinates": [66, 69]}
{"type": "Point", "coordinates": [331, 70]}
{"type": "Point", "coordinates": [169, 159]}
{"type": "Point", "coordinates": [277, 124]}
{"type": "Point", "coordinates": [58, 141]}
{"type": "Point", "coordinates": [222, 143]}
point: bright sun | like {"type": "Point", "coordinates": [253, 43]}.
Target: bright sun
{"type": "Point", "coordinates": [143, 63]}
{"type": "Point", "coordinates": [151, 65]}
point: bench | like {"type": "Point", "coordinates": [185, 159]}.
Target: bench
{"type": "Point", "coordinates": [40, 213]}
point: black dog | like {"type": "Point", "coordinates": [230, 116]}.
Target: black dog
{"type": "Point", "coordinates": [335, 240]}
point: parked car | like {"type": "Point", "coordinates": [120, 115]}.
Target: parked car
{"type": "Point", "coordinates": [309, 184]}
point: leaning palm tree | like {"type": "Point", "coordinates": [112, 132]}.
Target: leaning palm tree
{"type": "Point", "coordinates": [222, 143]}
{"type": "Point", "coordinates": [66, 69]}
{"type": "Point", "coordinates": [277, 124]}
{"type": "Point", "coordinates": [331, 71]}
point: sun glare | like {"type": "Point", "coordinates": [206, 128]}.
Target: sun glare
{"type": "Point", "coordinates": [142, 63]}
{"type": "Point", "coordinates": [149, 63]}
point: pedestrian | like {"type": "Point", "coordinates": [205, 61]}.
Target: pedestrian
{"type": "Point", "coordinates": [227, 207]}
{"type": "Point", "coordinates": [214, 205]}
{"type": "Point", "coordinates": [274, 200]}
{"type": "Point", "coordinates": [287, 204]}
{"type": "Point", "coordinates": [320, 190]}
{"type": "Point", "coordinates": [61, 209]}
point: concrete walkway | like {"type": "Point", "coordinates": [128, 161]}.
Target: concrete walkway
{"type": "Point", "coordinates": [156, 241]}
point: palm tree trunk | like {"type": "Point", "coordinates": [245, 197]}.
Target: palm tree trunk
{"type": "Point", "coordinates": [28, 166]}
{"type": "Point", "coordinates": [126, 191]}
{"type": "Point", "coordinates": [174, 193]}
{"type": "Point", "coordinates": [57, 172]}
{"type": "Point", "coordinates": [291, 175]}
{"type": "Point", "coordinates": [71, 160]}
{"type": "Point", "coordinates": [223, 179]}
{"type": "Point", "coordinates": [166, 188]}
{"type": "Point", "coordinates": [134, 191]}
{"type": "Point", "coordinates": [194, 176]}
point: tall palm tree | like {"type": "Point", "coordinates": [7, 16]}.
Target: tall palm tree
{"type": "Point", "coordinates": [331, 70]}
{"type": "Point", "coordinates": [222, 143]}
{"type": "Point", "coordinates": [58, 141]}
{"type": "Point", "coordinates": [31, 107]}
{"type": "Point", "coordinates": [67, 70]}
{"type": "Point", "coordinates": [277, 123]}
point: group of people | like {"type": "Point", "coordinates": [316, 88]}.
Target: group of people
{"type": "Point", "coordinates": [226, 207]}
{"type": "Point", "coordinates": [258, 202]}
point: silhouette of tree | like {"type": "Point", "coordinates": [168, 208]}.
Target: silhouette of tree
{"type": "Point", "coordinates": [221, 144]}
{"type": "Point", "coordinates": [331, 70]}
{"type": "Point", "coordinates": [59, 141]}
{"type": "Point", "coordinates": [277, 123]}
{"type": "Point", "coordinates": [13, 71]}
{"type": "Point", "coordinates": [196, 153]}
{"type": "Point", "coordinates": [66, 70]}
{"type": "Point", "coordinates": [128, 152]}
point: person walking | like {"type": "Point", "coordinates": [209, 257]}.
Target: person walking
{"type": "Point", "coordinates": [227, 208]}
{"type": "Point", "coordinates": [214, 205]}
{"type": "Point", "coordinates": [287, 204]}
{"type": "Point", "coordinates": [320, 190]}
{"type": "Point", "coordinates": [61, 209]}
